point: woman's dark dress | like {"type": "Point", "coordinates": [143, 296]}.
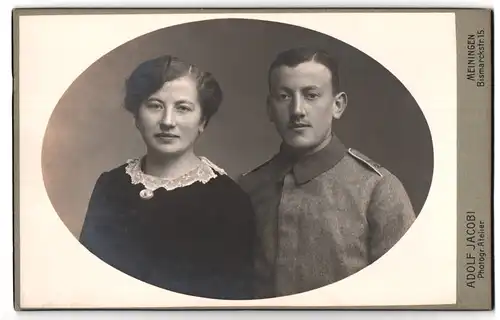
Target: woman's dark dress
{"type": "Point", "coordinates": [195, 240]}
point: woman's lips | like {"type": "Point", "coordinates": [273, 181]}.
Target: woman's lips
{"type": "Point", "coordinates": [166, 135]}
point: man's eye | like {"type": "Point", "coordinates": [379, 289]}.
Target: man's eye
{"type": "Point", "coordinates": [312, 95]}
{"type": "Point", "coordinates": [283, 96]}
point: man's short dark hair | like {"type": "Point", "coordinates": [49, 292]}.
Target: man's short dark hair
{"type": "Point", "coordinates": [293, 57]}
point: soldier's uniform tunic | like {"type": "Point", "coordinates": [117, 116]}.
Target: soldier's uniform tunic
{"type": "Point", "coordinates": [322, 218]}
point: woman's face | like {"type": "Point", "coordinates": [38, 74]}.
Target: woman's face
{"type": "Point", "coordinates": [170, 120]}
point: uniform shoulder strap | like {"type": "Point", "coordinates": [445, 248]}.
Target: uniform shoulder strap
{"type": "Point", "coordinates": [365, 160]}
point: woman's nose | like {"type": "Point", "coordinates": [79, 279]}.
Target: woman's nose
{"type": "Point", "coordinates": [168, 118]}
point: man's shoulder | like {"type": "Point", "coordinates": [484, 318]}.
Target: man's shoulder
{"type": "Point", "coordinates": [385, 188]}
{"type": "Point", "coordinates": [259, 168]}
{"type": "Point", "coordinates": [364, 164]}
{"type": "Point", "coordinates": [358, 170]}
{"type": "Point", "coordinates": [256, 175]}
{"type": "Point", "coordinates": [381, 179]}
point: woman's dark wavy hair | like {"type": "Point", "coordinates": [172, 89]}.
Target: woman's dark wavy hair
{"type": "Point", "coordinates": [152, 74]}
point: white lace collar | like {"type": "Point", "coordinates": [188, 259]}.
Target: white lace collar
{"type": "Point", "coordinates": [203, 173]}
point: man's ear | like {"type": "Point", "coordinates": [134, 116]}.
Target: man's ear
{"type": "Point", "coordinates": [268, 108]}
{"type": "Point", "coordinates": [136, 122]}
{"type": "Point", "coordinates": [339, 105]}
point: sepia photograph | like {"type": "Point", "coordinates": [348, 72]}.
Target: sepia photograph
{"type": "Point", "coordinates": [318, 211]}
{"type": "Point", "coordinates": [240, 161]}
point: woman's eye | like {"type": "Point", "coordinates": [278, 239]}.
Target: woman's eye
{"type": "Point", "coordinates": [154, 106]}
{"type": "Point", "coordinates": [183, 108]}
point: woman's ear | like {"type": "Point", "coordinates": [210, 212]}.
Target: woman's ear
{"type": "Point", "coordinates": [339, 105]}
{"type": "Point", "coordinates": [202, 126]}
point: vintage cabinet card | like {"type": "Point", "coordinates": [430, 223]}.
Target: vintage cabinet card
{"type": "Point", "coordinates": [253, 159]}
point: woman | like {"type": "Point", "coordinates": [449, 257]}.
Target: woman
{"type": "Point", "coordinates": [171, 218]}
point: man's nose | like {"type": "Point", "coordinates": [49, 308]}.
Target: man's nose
{"type": "Point", "coordinates": [168, 118]}
{"type": "Point", "coordinates": [297, 107]}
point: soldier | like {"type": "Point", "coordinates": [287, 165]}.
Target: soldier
{"type": "Point", "coordinates": [323, 211]}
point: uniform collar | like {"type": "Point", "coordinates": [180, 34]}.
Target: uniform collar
{"type": "Point", "coordinates": [309, 167]}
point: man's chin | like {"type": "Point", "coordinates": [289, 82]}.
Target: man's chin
{"type": "Point", "coordinates": [300, 144]}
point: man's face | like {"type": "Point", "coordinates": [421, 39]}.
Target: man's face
{"type": "Point", "coordinates": [302, 104]}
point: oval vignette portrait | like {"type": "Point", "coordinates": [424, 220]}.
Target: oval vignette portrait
{"type": "Point", "coordinates": [200, 158]}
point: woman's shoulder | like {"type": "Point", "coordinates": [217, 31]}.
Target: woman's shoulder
{"type": "Point", "coordinates": [219, 176]}
{"type": "Point", "coordinates": [224, 181]}
{"type": "Point", "coordinates": [229, 198]}
{"type": "Point", "coordinates": [115, 171]}
{"type": "Point", "coordinates": [115, 174]}
{"type": "Point", "coordinates": [224, 186]}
